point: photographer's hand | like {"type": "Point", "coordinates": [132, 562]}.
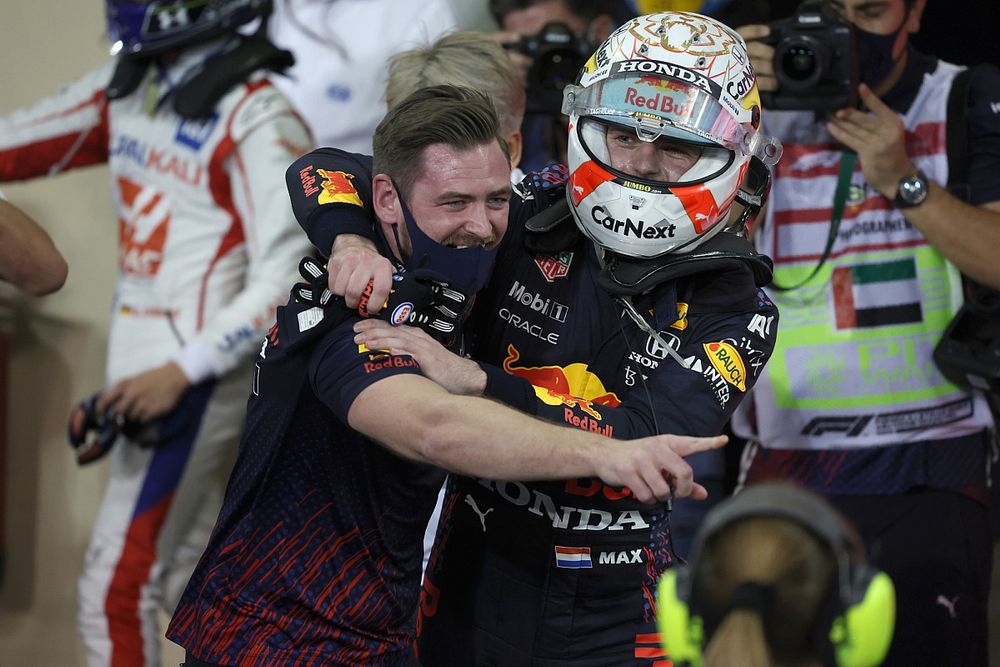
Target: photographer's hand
{"type": "Point", "coordinates": [507, 40]}
{"type": "Point", "coordinates": [761, 55]}
{"type": "Point", "coordinates": [879, 139]}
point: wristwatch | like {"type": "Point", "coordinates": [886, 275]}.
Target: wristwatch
{"type": "Point", "coordinates": [912, 190]}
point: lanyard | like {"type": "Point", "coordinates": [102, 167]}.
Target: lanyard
{"type": "Point", "coordinates": [847, 162]}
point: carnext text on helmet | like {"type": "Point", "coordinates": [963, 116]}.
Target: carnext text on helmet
{"type": "Point", "coordinates": [626, 227]}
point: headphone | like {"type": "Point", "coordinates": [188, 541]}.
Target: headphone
{"type": "Point", "coordinates": [854, 627]}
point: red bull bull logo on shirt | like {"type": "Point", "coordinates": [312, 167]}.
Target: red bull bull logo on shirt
{"type": "Point", "coordinates": [337, 188]}
{"type": "Point", "coordinates": [572, 386]}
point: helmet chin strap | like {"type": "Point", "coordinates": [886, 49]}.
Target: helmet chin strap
{"type": "Point", "coordinates": [626, 303]}
{"type": "Point", "coordinates": [630, 310]}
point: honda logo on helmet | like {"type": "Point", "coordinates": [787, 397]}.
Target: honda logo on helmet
{"type": "Point", "coordinates": [667, 69]}
{"type": "Point", "coordinates": [626, 227]}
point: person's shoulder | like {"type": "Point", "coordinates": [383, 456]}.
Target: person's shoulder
{"type": "Point", "coordinates": [985, 75]}
{"type": "Point", "coordinates": [729, 290]}
{"type": "Point", "coordinates": [984, 89]}
{"type": "Point", "coordinates": [342, 159]}
{"type": "Point", "coordinates": [253, 103]}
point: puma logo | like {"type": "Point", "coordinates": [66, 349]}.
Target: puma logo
{"type": "Point", "coordinates": [471, 502]}
{"type": "Point", "coordinates": [948, 604]}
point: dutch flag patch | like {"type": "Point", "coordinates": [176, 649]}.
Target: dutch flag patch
{"type": "Point", "coordinates": [573, 557]}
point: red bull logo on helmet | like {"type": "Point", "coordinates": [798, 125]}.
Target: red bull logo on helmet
{"type": "Point", "coordinates": [572, 386]}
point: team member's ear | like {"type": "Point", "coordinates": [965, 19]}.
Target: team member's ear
{"type": "Point", "coordinates": [388, 208]}
{"type": "Point", "coordinates": [914, 15]}
{"type": "Point", "coordinates": [515, 146]}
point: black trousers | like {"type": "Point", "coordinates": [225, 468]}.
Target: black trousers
{"type": "Point", "coordinates": [937, 548]}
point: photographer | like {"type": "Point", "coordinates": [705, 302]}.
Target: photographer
{"type": "Point", "coordinates": [868, 244]}
{"type": "Point", "coordinates": [549, 40]}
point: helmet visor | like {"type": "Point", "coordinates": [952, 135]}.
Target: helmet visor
{"type": "Point", "coordinates": [657, 106]}
{"type": "Point", "coordinates": [661, 160]}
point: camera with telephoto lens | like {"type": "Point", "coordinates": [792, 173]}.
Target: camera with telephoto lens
{"type": "Point", "coordinates": [557, 55]}
{"type": "Point", "coordinates": [815, 60]}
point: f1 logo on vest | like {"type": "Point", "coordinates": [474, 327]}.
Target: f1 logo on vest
{"type": "Point", "coordinates": [848, 426]}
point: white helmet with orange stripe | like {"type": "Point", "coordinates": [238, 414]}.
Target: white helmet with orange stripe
{"type": "Point", "coordinates": [663, 127]}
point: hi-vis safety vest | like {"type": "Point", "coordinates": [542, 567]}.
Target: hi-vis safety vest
{"type": "Point", "coordinates": [852, 366]}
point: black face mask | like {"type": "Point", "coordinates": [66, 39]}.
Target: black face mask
{"type": "Point", "coordinates": [875, 54]}
{"type": "Point", "coordinates": [465, 269]}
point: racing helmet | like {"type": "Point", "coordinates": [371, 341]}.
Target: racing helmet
{"type": "Point", "coordinates": [670, 81]}
{"type": "Point", "coordinates": [140, 28]}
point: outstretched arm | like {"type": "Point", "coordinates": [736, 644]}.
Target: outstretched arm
{"type": "Point", "coordinates": [478, 437]}
{"type": "Point", "coordinates": [386, 397]}
{"type": "Point", "coordinates": [28, 258]}
{"type": "Point", "coordinates": [724, 351]}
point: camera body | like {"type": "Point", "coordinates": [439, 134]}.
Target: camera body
{"type": "Point", "coordinates": [968, 353]}
{"type": "Point", "coordinates": [557, 55]}
{"type": "Point", "coordinates": [815, 61]}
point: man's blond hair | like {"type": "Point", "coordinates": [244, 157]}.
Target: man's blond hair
{"type": "Point", "coordinates": [462, 58]}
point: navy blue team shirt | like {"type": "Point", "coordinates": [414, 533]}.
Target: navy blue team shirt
{"type": "Point", "coordinates": [315, 558]}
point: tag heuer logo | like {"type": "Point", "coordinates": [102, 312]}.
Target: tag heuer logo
{"type": "Point", "coordinates": [554, 267]}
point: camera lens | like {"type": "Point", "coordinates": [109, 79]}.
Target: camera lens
{"type": "Point", "coordinates": [799, 62]}
{"type": "Point", "coordinates": [552, 71]}
{"type": "Point", "coordinates": [556, 69]}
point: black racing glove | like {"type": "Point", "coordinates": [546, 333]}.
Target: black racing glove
{"type": "Point", "coordinates": [92, 433]}
{"type": "Point", "coordinates": [314, 290]}
{"type": "Point", "coordinates": [418, 298]}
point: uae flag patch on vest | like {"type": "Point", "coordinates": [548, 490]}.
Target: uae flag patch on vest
{"type": "Point", "coordinates": [876, 295]}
